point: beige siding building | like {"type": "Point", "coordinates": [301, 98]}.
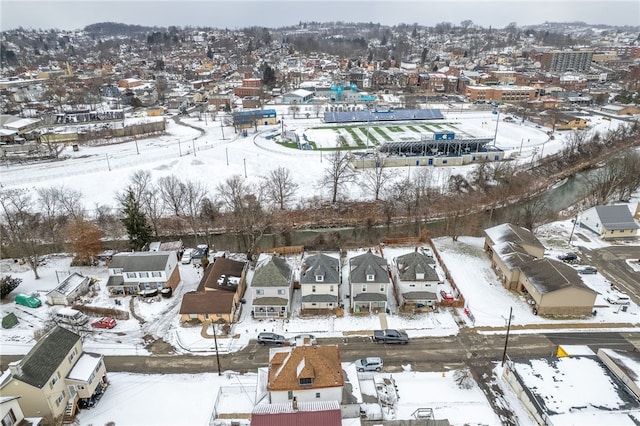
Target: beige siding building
{"type": "Point", "coordinates": [55, 376]}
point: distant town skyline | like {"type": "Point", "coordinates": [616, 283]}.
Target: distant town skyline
{"type": "Point", "coordinates": [76, 14]}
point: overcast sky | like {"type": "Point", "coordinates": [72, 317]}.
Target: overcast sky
{"type": "Point", "coordinates": [76, 14]}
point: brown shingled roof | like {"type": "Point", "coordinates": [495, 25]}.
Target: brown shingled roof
{"type": "Point", "coordinates": [207, 302]}
{"type": "Point", "coordinates": [222, 266]}
{"type": "Point", "coordinates": [321, 363]}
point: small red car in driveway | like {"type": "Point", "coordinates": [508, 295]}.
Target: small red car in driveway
{"type": "Point", "coordinates": [447, 296]}
{"type": "Point", "coordinates": [104, 322]}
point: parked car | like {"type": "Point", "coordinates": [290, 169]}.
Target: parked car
{"type": "Point", "coordinates": [588, 270]}
{"type": "Point", "coordinates": [304, 339]}
{"type": "Point", "coordinates": [568, 257]}
{"type": "Point", "coordinates": [28, 301]}
{"type": "Point", "coordinates": [372, 363]}
{"type": "Point", "coordinates": [104, 322]}
{"type": "Point", "coordinates": [619, 299]}
{"type": "Point", "coordinates": [390, 336]}
{"type": "Point", "coordinates": [270, 338]}
{"type": "Point", "coordinates": [71, 316]}
{"type": "Point", "coordinates": [446, 295]}
{"type": "Point", "coordinates": [186, 256]}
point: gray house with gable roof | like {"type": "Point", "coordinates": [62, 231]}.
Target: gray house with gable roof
{"type": "Point", "coordinates": [319, 282]}
{"type": "Point", "coordinates": [610, 222]}
{"type": "Point", "coordinates": [369, 283]}
{"type": "Point", "coordinates": [134, 272]}
{"type": "Point", "coordinates": [416, 280]}
{"type": "Point", "coordinates": [55, 376]}
{"type": "Point", "coordinates": [272, 288]}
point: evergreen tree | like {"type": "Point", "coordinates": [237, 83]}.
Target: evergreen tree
{"type": "Point", "coordinates": [135, 222]}
{"type": "Point", "coordinates": [8, 284]}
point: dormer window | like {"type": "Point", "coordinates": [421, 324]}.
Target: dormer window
{"type": "Point", "coordinates": [370, 277]}
{"type": "Point", "coordinates": [420, 275]}
{"type": "Point", "coordinates": [305, 381]}
{"type": "Point", "coordinates": [319, 278]}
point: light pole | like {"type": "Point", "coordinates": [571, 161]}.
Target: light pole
{"type": "Point", "coordinates": [194, 146]}
{"type": "Point", "coordinates": [495, 136]}
{"type": "Point", "coordinates": [179, 148]}
{"type": "Point", "coordinates": [245, 167]}
{"type": "Point", "coordinates": [226, 151]}
{"type": "Point", "coordinates": [506, 339]}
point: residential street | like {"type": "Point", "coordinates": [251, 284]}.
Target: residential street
{"type": "Point", "coordinates": [422, 354]}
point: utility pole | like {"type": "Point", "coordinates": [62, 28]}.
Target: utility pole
{"type": "Point", "coordinates": [226, 151]}
{"type": "Point", "coordinates": [179, 148]}
{"type": "Point", "coordinates": [222, 127]}
{"type": "Point", "coordinates": [107, 157]}
{"type": "Point", "coordinates": [245, 167]}
{"type": "Point", "coordinates": [194, 146]}
{"type": "Point", "coordinates": [575, 222]}
{"type": "Point", "coordinates": [215, 341]}
{"type": "Point", "coordinates": [506, 339]}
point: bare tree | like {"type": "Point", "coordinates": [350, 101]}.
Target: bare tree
{"type": "Point", "coordinates": [245, 212]}
{"type": "Point", "coordinates": [172, 193]}
{"type": "Point", "coordinates": [338, 173]}
{"type": "Point", "coordinates": [152, 206]}
{"type": "Point", "coordinates": [194, 195]}
{"type": "Point", "coordinates": [22, 226]}
{"type": "Point", "coordinates": [139, 183]}
{"type": "Point", "coordinates": [376, 179]}
{"type": "Point", "coordinates": [280, 187]}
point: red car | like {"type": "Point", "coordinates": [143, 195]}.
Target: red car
{"type": "Point", "coordinates": [104, 322]}
{"type": "Point", "coordinates": [447, 296]}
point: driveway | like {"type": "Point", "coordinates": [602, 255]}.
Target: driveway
{"type": "Point", "coordinates": [612, 264]}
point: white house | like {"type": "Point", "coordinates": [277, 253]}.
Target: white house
{"type": "Point", "coordinates": [69, 289]}
{"type": "Point", "coordinates": [319, 282]}
{"type": "Point", "coordinates": [416, 280]}
{"type": "Point", "coordinates": [306, 373]}
{"type": "Point", "coordinates": [369, 283]}
{"type": "Point", "coordinates": [133, 272]}
{"type": "Point", "coordinates": [272, 287]}
{"type": "Point", "coordinates": [610, 222]}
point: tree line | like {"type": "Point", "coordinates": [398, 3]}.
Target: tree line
{"type": "Point", "coordinates": [54, 219]}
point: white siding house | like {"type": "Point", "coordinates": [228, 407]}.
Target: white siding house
{"type": "Point", "coordinates": [319, 282]}
{"type": "Point", "coordinates": [133, 272]}
{"type": "Point", "coordinates": [272, 288]}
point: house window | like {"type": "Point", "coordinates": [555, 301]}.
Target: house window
{"type": "Point", "coordinates": [317, 394]}
{"type": "Point", "coordinates": [371, 277]}
{"type": "Point", "coordinates": [305, 381]}
{"type": "Point", "coordinates": [9, 419]}
{"type": "Point", "coordinates": [319, 278]}
{"type": "Point", "coordinates": [60, 398]}
{"type": "Point", "coordinates": [382, 288]}
{"type": "Point", "coordinates": [280, 291]}
{"type": "Point", "coordinates": [259, 292]}
{"type": "Point", "coordinates": [156, 274]}
{"type": "Point", "coordinates": [364, 288]}
{"type": "Point", "coordinates": [412, 285]}
{"type": "Point", "coordinates": [131, 274]}
{"type": "Point", "coordinates": [290, 395]}
{"type": "Point", "coordinates": [331, 288]}
{"type": "Point", "coordinates": [313, 288]}
{"type": "Point", "coordinates": [143, 275]}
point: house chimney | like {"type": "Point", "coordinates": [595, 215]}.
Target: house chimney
{"type": "Point", "coordinates": [14, 368]}
{"type": "Point", "coordinates": [294, 403]}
